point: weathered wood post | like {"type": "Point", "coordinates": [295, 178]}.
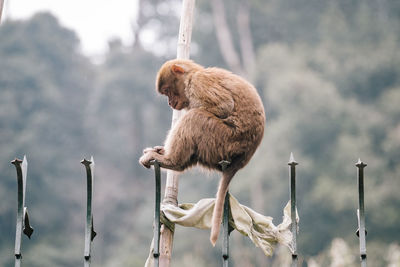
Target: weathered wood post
{"type": "Point", "coordinates": [1, 8]}
{"type": "Point", "coordinates": [172, 182]}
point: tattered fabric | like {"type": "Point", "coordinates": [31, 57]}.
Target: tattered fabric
{"type": "Point", "coordinates": [257, 227]}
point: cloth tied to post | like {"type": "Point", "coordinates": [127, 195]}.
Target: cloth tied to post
{"type": "Point", "coordinates": [259, 228]}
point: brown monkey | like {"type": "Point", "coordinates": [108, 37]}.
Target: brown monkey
{"type": "Point", "coordinates": [224, 121]}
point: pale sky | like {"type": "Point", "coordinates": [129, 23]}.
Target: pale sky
{"type": "Point", "coordinates": [95, 21]}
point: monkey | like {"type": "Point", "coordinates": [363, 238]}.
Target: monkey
{"type": "Point", "coordinates": [224, 120]}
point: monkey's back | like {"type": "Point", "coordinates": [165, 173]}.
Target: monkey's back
{"type": "Point", "coordinates": [248, 112]}
{"type": "Point", "coordinates": [244, 125]}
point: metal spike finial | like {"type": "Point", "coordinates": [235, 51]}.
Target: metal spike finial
{"type": "Point", "coordinates": [292, 161]}
{"type": "Point", "coordinates": [16, 162]}
{"type": "Point", "coordinates": [86, 162]}
{"type": "Point", "coordinates": [25, 161]}
{"type": "Point", "coordinates": [361, 164]}
{"type": "Point", "coordinates": [224, 164]}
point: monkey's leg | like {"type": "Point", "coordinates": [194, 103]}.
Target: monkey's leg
{"type": "Point", "coordinates": [198, 136]}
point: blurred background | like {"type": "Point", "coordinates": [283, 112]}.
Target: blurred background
{"type": "Point", "coordinates": [77, 79]}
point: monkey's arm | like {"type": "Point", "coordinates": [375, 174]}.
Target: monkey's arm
{"type": "Point", "coordinates": [207, 93]}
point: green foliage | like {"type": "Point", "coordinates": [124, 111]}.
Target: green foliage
{"type": "Point", "coordinates": [328, 75]}
{"type": "Point", "coordinates": [43, 78]}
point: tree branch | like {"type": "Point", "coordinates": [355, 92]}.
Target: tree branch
{"type": "Point", "coordinates": [224, 37]}
{"type": "Point", "coordinates": [246, 39]}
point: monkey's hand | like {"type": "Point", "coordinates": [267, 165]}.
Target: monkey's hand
{"type": "Point", "coordinates": [146, 158]}
{"type": "Point", "coordinates": [150, 154]}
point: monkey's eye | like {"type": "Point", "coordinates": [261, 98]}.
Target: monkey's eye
{"type": "Point", "coordinates": [164, 90]}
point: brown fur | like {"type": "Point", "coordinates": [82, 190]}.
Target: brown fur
{"type": "Point", "coordinates": [224, 121]}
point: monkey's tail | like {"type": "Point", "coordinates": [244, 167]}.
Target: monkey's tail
{"type": "Point", "coordinates": [219, 206]}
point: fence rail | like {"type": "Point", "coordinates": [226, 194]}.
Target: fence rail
{"type": "Point", "coordinates": [23, 224]}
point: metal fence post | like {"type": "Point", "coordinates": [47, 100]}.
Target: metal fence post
{"type": "Point", "coordinates": [157, 224]}
{"type": "Point", "coordinates": [89, 230]}
{"type": "Point", "coordinates": [361, 232]}
{"type": "Point", "coordinates": [225, 225]}
{"type": "Point", "coordinates": [225, 222]}
{"type": "Point", "coordinates": [22, 224]}
{"type": "Point", "coordinates": [292, 174]}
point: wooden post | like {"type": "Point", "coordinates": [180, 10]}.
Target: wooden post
{"type": "Point", "coordinates": [171, 186]}
{"type": "Point", "coordinates": [1, 8]}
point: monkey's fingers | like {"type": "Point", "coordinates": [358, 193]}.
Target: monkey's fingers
{"type": "Point", "coordinates": [145, 161]}
{"type": "Point", "coordinates": [159, 150]}
{"type": "Point", "coordinates": [156, 149]}
{"type": "Point", "coordinates": [148, 149]}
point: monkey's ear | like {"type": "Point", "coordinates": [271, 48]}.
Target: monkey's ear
{"type": "Point", "coordinates": [177, 69]}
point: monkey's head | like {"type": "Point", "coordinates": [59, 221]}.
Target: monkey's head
{"type": "Point", "coordinates": [172, 79]}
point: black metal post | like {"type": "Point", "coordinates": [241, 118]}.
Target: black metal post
{"type": "Point", "coordinates": [292, 174]}
{"type": "Point", "coordinates": [361, 232]}
{"type": "Point", "coordinates": [89, 230]}
{"type": "Point", "coordinates": [225, 227]}
{"type": "Point", "coordinates": [22, 224]}
{"type": "Point", "coordinates": [225, 222]}
{"type": "Point", "coordinates": [157, 224]}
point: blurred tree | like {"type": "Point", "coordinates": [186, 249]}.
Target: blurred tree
{"type": "Point", "coordinates": [44, 82]}
{"type": "Point", "coordinates": [328, 75]}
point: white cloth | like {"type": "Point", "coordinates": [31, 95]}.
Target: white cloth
{"type": "Point", "coordinates": [257, 227]}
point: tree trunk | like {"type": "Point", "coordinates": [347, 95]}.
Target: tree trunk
{"type": "Point", "coordinates": [171, 187]}
{"type": "Point", "coordinates": [246, 39]}
{"type": "Point", "coordinates": [224, 37]}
